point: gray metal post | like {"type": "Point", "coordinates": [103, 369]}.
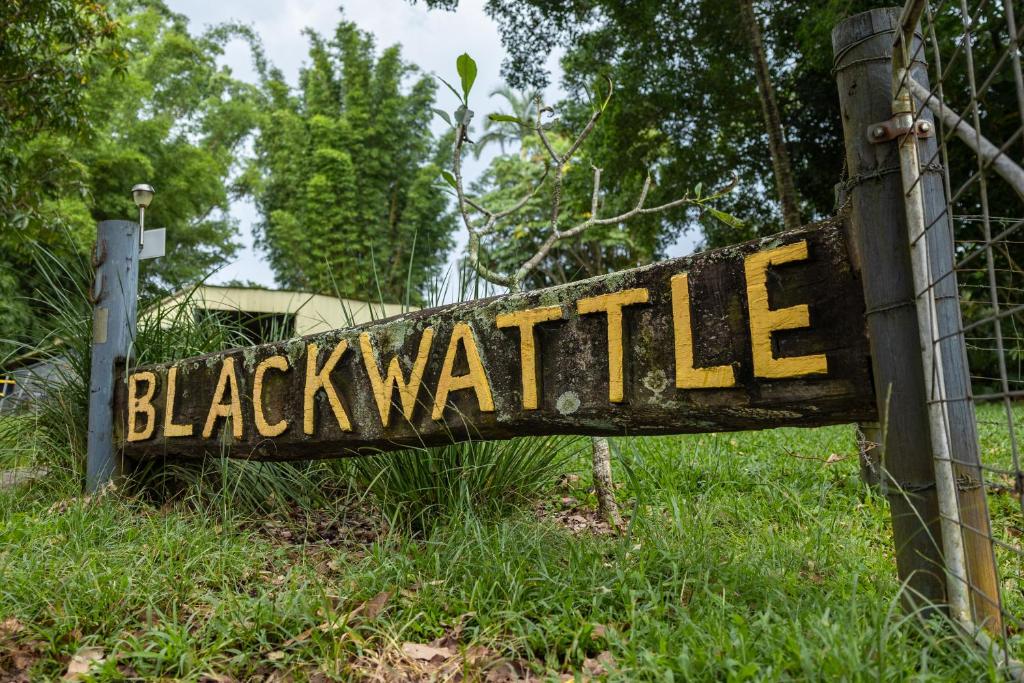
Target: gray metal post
{"type": "Point", "coordinates": [963, 431]}
{"type": "Point", "coordinates": [862, 45]}
{"type": "Point", "coordinates": [115, 297]}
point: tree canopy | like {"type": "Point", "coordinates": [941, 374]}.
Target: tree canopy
{"type": "Point", "coordinates": [345, 171]}
{"type": "Point", "coordinates": [151, 105]}
{"type": "Point", "coordinates": [686, 104]}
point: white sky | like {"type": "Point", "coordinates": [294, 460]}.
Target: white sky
{"type": "Point", "coordinates": [430, 39]}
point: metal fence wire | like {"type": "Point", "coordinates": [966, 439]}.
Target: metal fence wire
{"type": "Point", "coordinates": [958, 113]}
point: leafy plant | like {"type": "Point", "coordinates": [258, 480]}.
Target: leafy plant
{"type": "Point", "coordinates": [344, 170]}
{"type": "Point", "coordinates": [417, 487]}
{"type": "Point", "coordinates": [482, 221]}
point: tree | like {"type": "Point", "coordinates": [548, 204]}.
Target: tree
{"type": "Point", "coordinates": [687, 102]}
{"type": "Point", "coordinates": [522, 107]}
{"type": "Point", "coordinates": [781, 169]}
{"type": "Point", "coordinates": [154, 107]}
{"type": "Point", "coordinates": [47, 49]}
{"type": "Point", "coordinates": [344, 173]}
{"type": "Point", "coordinates": [483, 221]}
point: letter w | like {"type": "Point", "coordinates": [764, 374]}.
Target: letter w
{"type": "Point", "coordinates": [384, 388]}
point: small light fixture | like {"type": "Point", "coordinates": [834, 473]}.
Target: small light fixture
{"type": "Point", "coordinates": [142, 194]}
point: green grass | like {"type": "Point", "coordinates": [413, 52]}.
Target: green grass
{"type": "Point", "coordinates": [747, 557]}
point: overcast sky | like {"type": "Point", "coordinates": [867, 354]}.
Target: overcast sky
{"type": "Point", "coordinates": [430, 39]}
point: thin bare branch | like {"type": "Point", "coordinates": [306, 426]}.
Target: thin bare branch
{"type": "Point", "coordinates": [543, 136]}
{"type": "Point", "coordinates": [460, 137]}
{"type": "Point", "coordinates": [482, 270]}
{"type": "Point", "coordinates": [587, 130]}
{"type": "Point", "coordinates": [477, 230]}
{"type": "Point", "coordinates": [595, 197]}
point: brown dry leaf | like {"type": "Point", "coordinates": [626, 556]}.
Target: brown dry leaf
{"type": "Point", "coordinates": [275, 656]}
{"type": "Point", "coordinates": [127, 672]}
{"type": "Point", "coordinates": [216, 678]}
{"type": "Point", "coordinates": [567, 480]}
{"type": "Point", "coordinates": [425, 653]}
{"type": "Point", "coordinates": [376, 605]}
{"type": "Point", "coordinates": [82, 661]}
{"type": "Point", "coordinates": [10, 626]}
{"type": "Point", "coordinates": [599, 631]}
{"type": "Point", "coordinates": [600, 665]}
{"type": "Point", "coordinates": [23, 660]}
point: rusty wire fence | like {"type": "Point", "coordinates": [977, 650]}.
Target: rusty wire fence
{"type": "Point", "coordinates": [958, 109]}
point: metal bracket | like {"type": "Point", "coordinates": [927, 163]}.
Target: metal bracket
{"type": "Point", "coordinates": [889, 130]}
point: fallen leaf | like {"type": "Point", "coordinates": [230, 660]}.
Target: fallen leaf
{"type": "Point", "coordinates": [279, 677]}
{"type": "Point", "coordinates": [10, 627]}
{"type": "Point", "coordinates": [600, 665]}
{"type": "Point", "coordinates": [599, 631]}
{"type": "Point", "coordinates": [216, 678]}
{"type": "Point", "coordinates": [506, 671]}
{"type": "Point", "coordinates": [82, 661]}
{"type": "Point", "coordinates": [425, 652]}
{"type": "Point", "coordinates": [374, 606]}
{"type": "Point", "coordinates": [23, 660]}
{"type": "Point", "coordinates": [275, 656]}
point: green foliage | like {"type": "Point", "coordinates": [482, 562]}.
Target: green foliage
{"type": "Point", "coordinates": [419, 487]}
{"type": "Point", "coordinates": [686, 102]}
{"type": "Point", "coordinates": [48, 50]}
{"type": "Point", "coordinates": [345, 171]}
{"type": "Point", "coordinates": [742, 563]}
{"type": "Point", "coordinates": [508, 129]}
{"type": "Point", "coordinates": [509, 178]}
{"type": "Point", "coordinates": [169, 116]}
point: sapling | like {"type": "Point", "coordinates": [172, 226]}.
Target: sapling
{"type": "Point", "coordinates": [482, 222]}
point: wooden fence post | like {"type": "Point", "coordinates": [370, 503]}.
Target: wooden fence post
{"type": "Point", "coordinates": [862, 45]}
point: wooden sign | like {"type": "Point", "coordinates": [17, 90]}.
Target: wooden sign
{"type": "Point", "coordinates": [764, 334]}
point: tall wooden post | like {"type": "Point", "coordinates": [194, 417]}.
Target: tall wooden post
{"type": "Point", "coordinates": [862, 45]}
{"type": "Point", "coordinates": [114, 295]}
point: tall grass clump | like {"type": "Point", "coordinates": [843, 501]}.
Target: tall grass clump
{"type": "Point", "coordinates": [417, 487]}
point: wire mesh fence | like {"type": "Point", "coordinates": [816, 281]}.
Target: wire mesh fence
{"type": "Point", "coordinates": [959, 111]}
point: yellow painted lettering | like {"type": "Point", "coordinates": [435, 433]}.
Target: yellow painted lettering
{"type": "Point", "coordinates": [317, 380]}
{"type": "Point", "coordinates": [170, 428]}
{"type": "Point", "coordinates": [525, 320]}
{"type": "Point", "coordinates": [764, 321]}
{"type": "Point", "coordinates": [475, 379]}
{"type": "Point", "coordinates": [141, 405]}
{"type": "Point", "coordinates": [384, 388]}
{"type": "Point", "coordinates": [279, 363]}
{"type": "Point", "coordinates": [612, 305]}
{"type": "Point", "coordinates": [232, 409]}
{"type": "Point", "coordinates": [687, 376]}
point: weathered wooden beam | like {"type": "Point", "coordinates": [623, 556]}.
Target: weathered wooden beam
{"type": "Point", "coordinates": [763, 334]}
